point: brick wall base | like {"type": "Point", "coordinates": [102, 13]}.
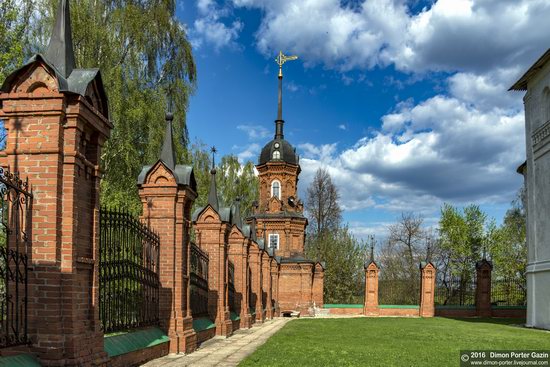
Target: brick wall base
{"type": "Point", "coordinates": [345, 311]}
{"type": "Point", "coordinates": [204, 335]}
{"type": "Point", "coordinates": [513, 312]}
{"type": "Point", "coordinates": [399, 312]}
{"type": "Point", "coordinates": [139, 357]}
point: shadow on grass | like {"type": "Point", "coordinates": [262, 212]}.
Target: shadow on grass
{"type": "Point", "coordinates": [489, 320]}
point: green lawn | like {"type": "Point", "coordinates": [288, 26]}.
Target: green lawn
{"type": "Point", "coordinates": [390, 341]}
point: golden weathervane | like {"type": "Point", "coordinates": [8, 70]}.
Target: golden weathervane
{"type": "Point", "coordinates": [281, 59]}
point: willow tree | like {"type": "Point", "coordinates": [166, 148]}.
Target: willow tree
{"type": "Point", "coordinates": [144, 56]}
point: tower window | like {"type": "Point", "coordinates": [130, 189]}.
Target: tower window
{"type": "Point", "coordinates": [276, 154]}
{"type": "Point", "coordinates": [276, 189]}
{"type": "Point", "coordinates": [274, 241]}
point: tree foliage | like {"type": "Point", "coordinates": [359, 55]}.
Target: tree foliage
{"type": "Point", "coordinates": [14, 32]}
{"type": "Point", "coordinates": [322, 203]}
{"type": "Point", "coordinates": [144, 56]}
{"type": "Point", "coordinates": [232, 178]}
{"type": "Point", "coordinates": [330, 242]}
{"type": "Point", "coordinates": [465, 235]}
{"type": "Point", "coordinates": [344, 257]}
{"type": "Point", "coordinates": [509, 252]}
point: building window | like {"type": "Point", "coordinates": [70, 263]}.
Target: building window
{"type": "Point", "coordinates": [274, 241]}
{"type": "Point", "coordinates": [276, 154]}
{"type": "Point", "coordinates": [276, 189]}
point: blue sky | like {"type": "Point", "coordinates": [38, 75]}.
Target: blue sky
{"type": "Point", "coordinates": [404, 102]}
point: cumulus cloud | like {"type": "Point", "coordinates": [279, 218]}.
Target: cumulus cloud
{"type": "Point", "coordinates": [443, 149]}
{"type": "Point", "coordinates": [209, 27]}
{"type": "Point", "coordinates": [451, 35]}
{"type": "Point", "coordinates": [247, 153]}
{"type": "Point", "coordinates": [460, 145]}
{"type": "Point", "coordinates": [255, 132]}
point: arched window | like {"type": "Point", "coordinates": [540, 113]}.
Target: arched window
{"type": "Point", "coordinates": [546, 104]}
{"type": "Point", "coordinates": [276, 154]}
{"type": "Point", "coordinates": [276, 189]}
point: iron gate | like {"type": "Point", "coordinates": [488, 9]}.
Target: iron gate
{"type": "Point", "coordinates": [15, 215]}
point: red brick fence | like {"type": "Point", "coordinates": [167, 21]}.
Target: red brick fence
{"type": "Point", "coordinates": [484, 298]}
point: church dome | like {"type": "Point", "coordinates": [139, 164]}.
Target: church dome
{"type": "Point", "coordinates": [278, 150]}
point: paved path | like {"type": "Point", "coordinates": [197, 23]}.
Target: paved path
{"type": "Point", "coordinates": [220, 351]}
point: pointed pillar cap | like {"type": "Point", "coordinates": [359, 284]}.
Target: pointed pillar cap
{"type": "Point", "coordinates": [60, 49]}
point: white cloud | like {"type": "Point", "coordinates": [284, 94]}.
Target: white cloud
{"type": "Point", "coordinates": [443, 149]}
{"type": "Point", "coordinates": [342, 127]}
{"type": "Point", "coordinates": [451, 35]}
{"type": "Point", "coordinates": [248, 153]}
{"type": "Point", "coordinates": [209, 27]}
{"type": "Point", "coordinates": [255, 132]}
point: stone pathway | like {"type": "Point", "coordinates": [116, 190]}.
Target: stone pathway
{"type": "Point", "coordinates": [220, 351]}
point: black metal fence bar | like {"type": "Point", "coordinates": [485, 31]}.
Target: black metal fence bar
{"type": "Point", "coordinates": [508, 292]}
{"type": "Point", "coordinates": [128, 272]}
{"type": "Point", "coordinates": [15, 217]}
{"type": "Point", "coordinates": [455, 292]}
{"type": "Point", "coordinates": [399, 291]}
{"type": "Point", "coordinates": [199, 282]}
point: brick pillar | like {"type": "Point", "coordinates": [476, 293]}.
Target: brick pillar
{"type": "Point", "coordinates": [427, 290]}
{"type": "Point", "coordinates": [55, 139]}
{"type": "Point", "coordinates": [167, 209]}
{"type": "Point", "coordinates": [306, 278]}
{"type": "Point", "coordinates": [318, 284]}
{"type": "Point", "coordinates": [483, 288]}
{"type": "Point", "coordinates": [275, 286]}
{"type": "Point", "coordinates": [238, 254]}
{"type": "Point", "coordinates": [254, 262]}
{"type": "Point", "coordinates": [371, 290]}
{"type": "Point", "coordinates": [267, 288]}
{"type": "Point", "coordinates": [212, 234]}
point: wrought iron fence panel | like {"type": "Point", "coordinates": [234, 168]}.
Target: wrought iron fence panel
{"type": "Point", "coordinates": [128, 272]}
{"type": "Point", "coordinates": [399, 291]}
{"type": "Point", "coordinates": [508, 292]}
{"type": "Point", "coordinates": [252, 297]}
{"type": "Point", "coordinates": [199, 282]}
{"type": "Point", "coordinates": [455, 292]}
{"type": "Point", "coordinates": [15, 218]}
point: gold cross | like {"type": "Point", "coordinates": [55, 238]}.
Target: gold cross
{"type": "Point", "coordinates": [281, 59]}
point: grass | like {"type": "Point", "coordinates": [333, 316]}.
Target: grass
{"type": "Point", "coordinates": [390, 341]}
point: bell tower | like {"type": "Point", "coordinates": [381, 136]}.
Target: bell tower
{"type": "Point", "coordinates": [279, 213]}
{"type": "Point", "coordinates": [279, 219]}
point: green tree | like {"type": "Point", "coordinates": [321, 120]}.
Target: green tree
{"type": "Point", "coordinates": [330, 242]}
{"type": "Point", "coordinates": [232, 178]}
{"type": "Point", "coordinates": [344, 257]}
{"type": "Point", "coordinates": [509, 252]}
{"type": "Point", "coordinates": [14, 32]}
{"type": "Point", "coordinates": [463, 237]}
{"type": "Point", "coordinates": [144, 56]}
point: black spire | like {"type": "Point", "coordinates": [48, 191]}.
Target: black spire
{"type": "Point", "coordinates": [237, 205]}
{"type": "Point", "coordinates": [279, 122]}
{"type": "Point", "coordinates": [253, 234]}
{"type": "Point", "coordinates": [237, 214]}
{"type": "Point", "coordinates": [213, 193]}
{"type": "Point", "coordinates": [168, 154]}
{"type": "Point", "coordinates": [60, 50]}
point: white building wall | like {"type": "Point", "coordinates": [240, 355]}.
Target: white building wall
{"type": "Point", "coordinates": [537, 178]}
